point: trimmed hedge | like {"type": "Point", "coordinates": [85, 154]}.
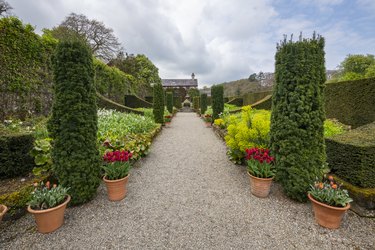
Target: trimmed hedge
{"type": "Point", "coordinates": [265, 103]}
{"type": "Point", "coordinates": [149, 99]}
{"type": "Point", "coordinates": [133, 101]}
{"type": "Point", "coordinates": [196, 103]}
{"type": "Point", "coordinates": [169, 97]}
{"type": "Point", "coordinates": [158, 105]}
{"type": "Point", "coordinates": [297, 132]}
{"type": "Point", "coordinates": [203, 103]}
{"type": "Point", "coordinates": [351, 156]}
{"type": "Point", "coordinates": [351, 102]}
{"type": "Point", "coordinates": [251, 98]}
{"type": "Point", "coordinates": [15, 159]}
{"type": "Point", "coordinates": [106, 103]}
{"type": "Point", "coordinates": [177, 102]}
{"type": "Point", "coordinates": [73, 125]}
{"type": "Point", "coordinates": [217, 93]}
{"type": "Point", "coordinates": [238, 101]}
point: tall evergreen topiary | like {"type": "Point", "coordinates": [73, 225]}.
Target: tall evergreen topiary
{"type": "Point", "coordinates": [296, 134]}
{"type": "Point", "coordinates": [170, 102]}
{"type": "Point", "coordinates": [158, 105]}
{"type": "Point", "coordinates": [74, 122]}
{"type": "Point", "coordinates": [203, 103]}
{"type": "Point", "coordinates": [196, 103]}
{"type": "Point", "coordinates": [217, 93]}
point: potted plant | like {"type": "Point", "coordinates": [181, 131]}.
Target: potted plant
{"type": "Point", "coordinates": [167, 119]}
{"type": "Point", "coordinates": [207, 119]}
{"type": "Point", "coordinates": [116, 167]}
{"type": "Point", "coordinates": [48, 204]}
{"type": "Point", "coordinates": [330, 202]}
{"type": "Point", "coordinates": [261, 171]}
{"type": "Point", "coordinates": [3, 210]}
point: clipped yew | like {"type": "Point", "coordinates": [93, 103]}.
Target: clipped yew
{"type": "Point", "coordinates": [169, 96]}
{"type": "Point", "coordinates": [217, 93]}
{"type": "Point", "coordinates": [296, 134]}
{"type": "Point", "coordinates": [158, 103]}
{"type": "Point", "coordinates": [203, 103]}
{"type": "Point", "coordinates": [196, 103]}
{"type": "Point", "coordinates": [73, 124]}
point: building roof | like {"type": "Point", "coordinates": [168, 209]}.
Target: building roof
{"type": "Point", "coordinates": [180, 82]}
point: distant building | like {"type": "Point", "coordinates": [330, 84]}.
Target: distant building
{"type": "Point", "coordinates": [181, 83]}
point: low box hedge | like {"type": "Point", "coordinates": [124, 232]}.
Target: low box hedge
{"type": "Point", "coordinates": [351, 156]}
{"type": "Point", "coordinates": [15, 158]}
{"type": "Point", "coordinates": [133, 101]}
{"type": "Point", "coordinates": [253, 97]}
{"type": "Point", "coordinates": [265, 103]}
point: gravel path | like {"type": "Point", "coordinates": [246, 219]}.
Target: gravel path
{"type": "Point", "coordinates": [187, 195]}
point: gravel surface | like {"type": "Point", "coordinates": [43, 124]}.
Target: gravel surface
{"type": "Point", "coordinates": [186, 194]}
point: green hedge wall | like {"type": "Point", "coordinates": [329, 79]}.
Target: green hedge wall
{"type": "Point", "coordinates": [15, 159]}
{"type": "Point", "coordinates": [351, 102]}
{"type": "Point", "coordinates": [251, 98]}
{"type": "Point", "coordinates": [133, 101]}
{"type": "Point", "coordinates": [106, 103]}
{"type": "Point", "coordinates": [265, 103]}
{"type": "Point", "coordinates": [238, 101]}
{"type": "Point", "coordinates": [149, 99]}
{"type": "Point", "coordinates": [351, 156]}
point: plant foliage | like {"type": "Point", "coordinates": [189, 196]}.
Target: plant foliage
{"type": "Point", "coordinates": [217, 93]}
{"type": "Point", "coordinates": [158, 105]}
{"type": "Point", "coordinates": [203, 103]}
{"type": "Point", "coordinates": [169, 97]}
{"type": "Point", "coordinates": [46, 196]}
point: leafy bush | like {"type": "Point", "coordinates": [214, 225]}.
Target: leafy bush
{"type": "Point", "coordinates": [74, 122]}
{"type": "Point", "coordinates": [42, 157]}
{"type": "Point", "coordinates": [296, 134]}
{"type": "Point", "coordinates": [333, 127]}
{"type": "Point", "coordinates": [45, 196]}
{"type": "Point", "coordinates": [203, 103]}
{"type": "Point", "coordinates": [217, 93]}
{"type": "Point", "coordinates": [169, 105]}
{"type": "Point", "coordinates": [328, 192]}
{"type": "Point", "coordinates": [247, 130]}
{"type": "Point", "coordinates": [158, 104]}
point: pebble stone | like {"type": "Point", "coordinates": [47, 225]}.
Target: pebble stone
{"type": "Point", "coordinates": [186, 194]}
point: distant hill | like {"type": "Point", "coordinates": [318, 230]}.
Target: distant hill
{"type": "Point", "coordinates": [239, 88]}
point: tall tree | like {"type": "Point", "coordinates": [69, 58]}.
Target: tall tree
{"type": "Point", "coordinates": [4, 8]}
{"type": "Point", "coordinates": [103, 43]}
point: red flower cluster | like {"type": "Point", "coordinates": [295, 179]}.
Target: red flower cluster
{"type": "Point", "coordinates": [168, 116]}
{"type": "Point", "coordinates": [117, 156]}
{"type": "Point", "coordinates": [259, 154]}
{"type": "Point", "coordinates": [208, 115]}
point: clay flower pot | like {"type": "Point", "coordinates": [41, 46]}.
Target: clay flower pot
{"type": "Point", "coordinates": [208, 124]}
{"type": "Point", "coordinates": [260, 187]}
{"type": "Point", "coordinates": [326, 215]}
{"type": "Point", "coordinates": [167, 123]}
{"type": "Point", "coordinates": [116, 189]}
{"type": "Point", "coordinates": [3, 210]}
{"type": "Point", "coordinates": [48, 220]}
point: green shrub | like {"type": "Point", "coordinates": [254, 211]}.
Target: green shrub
{"type": "Point", "coordinates": [158, 104]}
{"type": "Point", "coordinates": [238, 101]}
{"type": "Point", "coordinates": [170, 102]}
{"type": "Point", "coordinates": [351, 102]}
{"type": "Point", "coordinates": [333, 127]}
{"type": "Point", "coordinates": [217, 93]}
{"type": "Point", "coordinates": [74, 122]}
{"type": "Point", "coordinates": [265, 103]}
{"type": "Point", "coordinates": [106, 103]}
{"type": "Point", "coordinates": [196, 103]}
{"type": "Point", "coordinates": [351, 156]}
{"type": "Point", "coordinates": [133, 101]}
{"type": "Point", "coordinates": [203, 103]}
{"type": "Point", "coordinates": [14, 154]}
{"type": "Point", "coordinates": [253, 97]}
{"type": "Point", "coordinates": [177, 102]}
{"type": "Point", "coordinates": [296, 134]}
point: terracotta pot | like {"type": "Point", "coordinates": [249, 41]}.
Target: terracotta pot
{"type": "Point", "coordinates": [326, 215]}
{"type": "Point", "coordinates": [48, 220]}
{"type": "Point", "coordinates": [3, 210]}
{"type": "Point", "coordinates": [208, 124]}
{"type": "Point", "coordinates": [116, 189]}
{"type": "Point", "coordinates": [260, 187]}
{"type": "Point", "coordinates": [167, 123]}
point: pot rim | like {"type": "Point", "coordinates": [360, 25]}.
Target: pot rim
{"type": "Point", "coordinates": [271, 178]}
{"type": "Point", "coordinates": [327, 206]}
{"type": "Point", "coordinates": [33, 211]}
{"type": "Point", "coordinates": [106, 180]}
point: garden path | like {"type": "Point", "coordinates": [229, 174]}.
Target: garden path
{"type": "Point", "coordinates": [186, 194]}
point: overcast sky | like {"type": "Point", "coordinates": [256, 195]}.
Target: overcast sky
{"type": "Point", "coordinates": [218, 40]}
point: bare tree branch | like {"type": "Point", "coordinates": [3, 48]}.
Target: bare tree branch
{"type": "Point", "coordinates": [4, 8]}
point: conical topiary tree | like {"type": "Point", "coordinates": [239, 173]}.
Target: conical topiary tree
{"type": "Point", "coordinates": [217, 93]}
{"type": "Point", "coordinates": [158, 105]}
{"type": "Point", "coordinates": [196, 103]}
{"type": "Point", "coordinates": [203, 103]}
{"type": "Point", "coordinates": [74, 121]}
{"type": "Point", "coordinates": [296, 134]}
{"type": "Point", "coordinates": [170, 102]}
